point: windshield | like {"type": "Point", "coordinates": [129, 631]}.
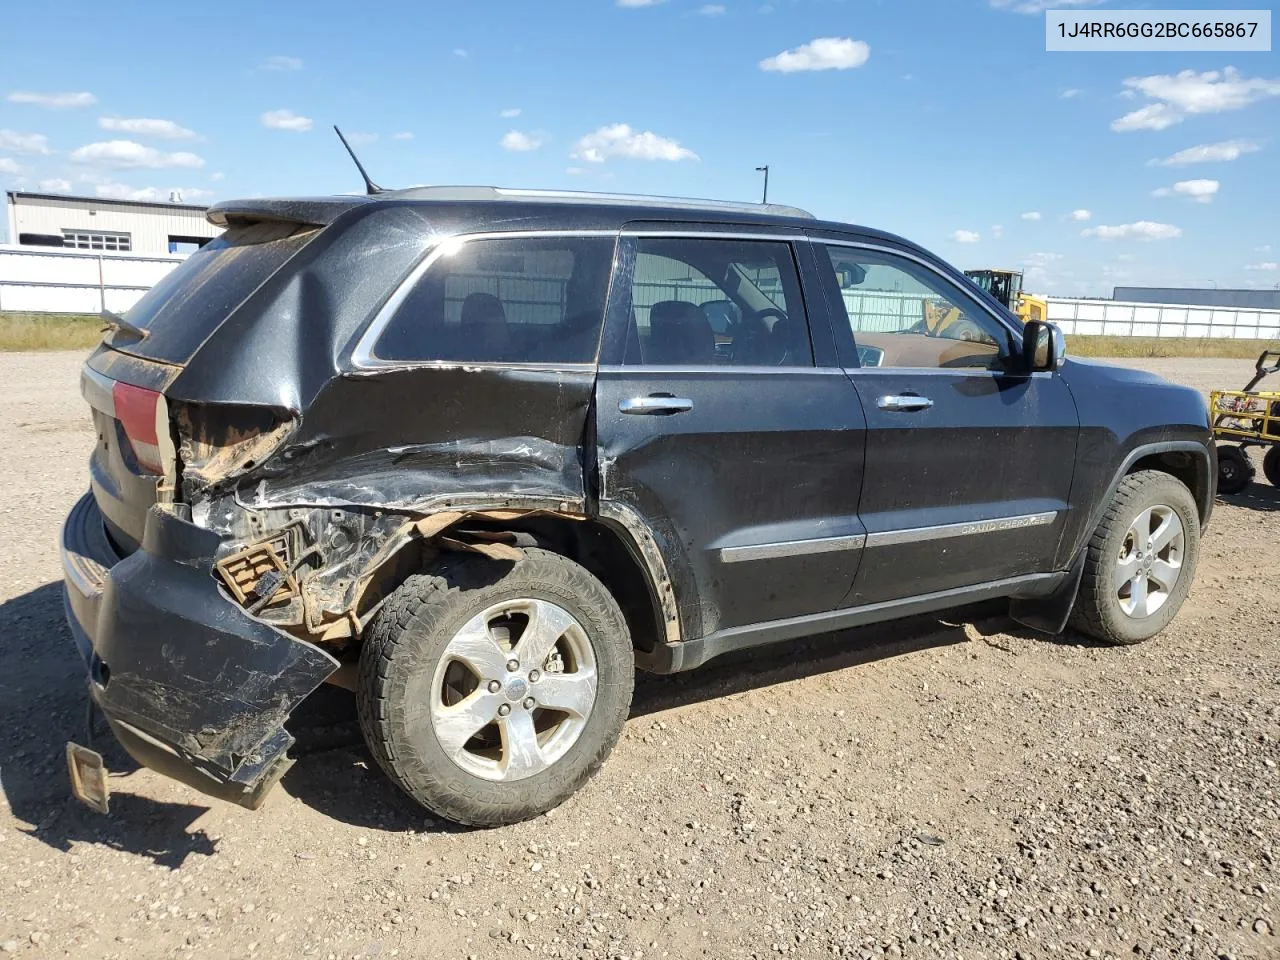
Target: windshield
{"type": "Point", "coordinates": [182, 310]}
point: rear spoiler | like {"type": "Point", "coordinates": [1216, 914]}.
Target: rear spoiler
{"type": "Point", "coordinates": [310, 211]}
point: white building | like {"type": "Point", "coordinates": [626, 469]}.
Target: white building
{"type": "Point", "coordinates": [115, 226]}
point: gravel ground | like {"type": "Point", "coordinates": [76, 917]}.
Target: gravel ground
{"type": "Point", "coordinates": [953, 787]}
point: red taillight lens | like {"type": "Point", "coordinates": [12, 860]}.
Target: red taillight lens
{"type": "Point", "coordinates": [136, 409]}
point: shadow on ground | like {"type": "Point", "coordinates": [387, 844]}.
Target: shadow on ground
{"type": "Point", "coordinates": [43, 704]}
{"type": "Point", "coordinates": [336, 776]}
{"type": "Point", "coordinates": [1257, 496]}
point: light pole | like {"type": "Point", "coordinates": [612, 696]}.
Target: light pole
{"type": "Point", "coordinates": [765, 171]}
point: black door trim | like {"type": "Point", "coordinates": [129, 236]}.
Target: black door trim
{"type": "Point", "coordinates": [677, 657]}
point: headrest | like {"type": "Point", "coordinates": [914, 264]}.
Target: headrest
{"type": "Point", "coordinates": [679, 333]}
{"type": "Point", "coordinates": [482, 308]}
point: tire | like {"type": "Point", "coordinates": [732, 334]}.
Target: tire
{"type": "Point", "coordinates": [1271, 466]}
{"type": "Point", "coordinates": [1102, 609]}
{"type": "Point", "coordinates": [422, 684]}
{"type": "Point", "coordinates": [1235, 470]}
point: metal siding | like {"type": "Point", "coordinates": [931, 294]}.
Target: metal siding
{"type": "Point", "coordinates": [149, 227]}
{"type": "Point", "coordinates": [1196, 296]}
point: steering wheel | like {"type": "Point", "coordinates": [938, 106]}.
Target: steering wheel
{"type": "Point", "coordinates": [754, 341]}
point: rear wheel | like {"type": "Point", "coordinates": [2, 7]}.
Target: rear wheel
{"type": "Point", "coordinates": [490, 692]}
{"type": "Point", "coordinates": [1140, 561]}
{"type": "Point", "coordinates": [1271, 466]}
{"type": "Point", "coordinates": [1235, 470]}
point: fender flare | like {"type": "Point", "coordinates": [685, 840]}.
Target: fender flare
{"type": "Point", "coordinates": [1204, 455]}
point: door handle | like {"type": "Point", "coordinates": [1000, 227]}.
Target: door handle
{"type": "Point", "coordinates": [657, 405]}
{"type": "Point", "coordinates": [904, 403]}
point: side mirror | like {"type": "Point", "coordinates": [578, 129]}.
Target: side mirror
{"type": "Point", "coordinates": [1043, 346]}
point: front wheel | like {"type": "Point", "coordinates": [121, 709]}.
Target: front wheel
{"type": "Point", "coordinates": [1140, 561]}
{"type": "Point", "coordinates": [1235, 470]}
{"type": "Point", "coordinates": [490, 692]}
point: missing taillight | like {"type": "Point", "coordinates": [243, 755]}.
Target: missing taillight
{"type": "Point", "coordinates": [137, 409]}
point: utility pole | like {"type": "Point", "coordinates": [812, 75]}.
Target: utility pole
{"type": "Point", "coordinates": [765, 171]}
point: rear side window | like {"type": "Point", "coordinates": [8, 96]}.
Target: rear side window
{"type": "Point", "coordinates": [182, 310]}
{"type": "Point", "coordinates": [517, 300]}
{"type": "Point", "coordinates": [703, 301]}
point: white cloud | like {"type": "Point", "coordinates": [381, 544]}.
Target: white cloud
{"type": "Point", "coordinates": [55, 185]}
{"type": "Point", "coordinates": [125, 154]}
{"type": "Point", "coordinates": [997, 231]}
{"type": "Point", "coordinates": [16, 142]}
{"type": "Point", "coordinates": [215, 177]}
{"type": "Point", "coordinates": [966, 236]}
{"type": "Point", "coordinates": [281, 64]}
{"type": "Point", "coordinates": [9, 167]}
{"type": "Point", "coordinates": [53, 101]}
{"type": "Point", "coordinates": [510, 113]}
{"type": "Point", "coordinates": [1040, 259]}
{"type": "Point", "coordinates": [1040, 6]}
{"type": "Point", "coordinates": [825, 53]}
{"type": "Point", "coordinates": [146, 127]}
{"type": "Point", "coordinates": [619, 140]}
{"type": "Point", "coordinates": [518, 142]}
{"type": "Point", "coordinates": [122, 191]}
{"type": "Point", "coordinates": [1154, 116]}
{"type": "Point", "coordinates": [1142, 230]}
{"type": "Point", "coordinates": [1180, 95]}
{"type": "Point", "coordinates": [639, 3]}
{"type": "Point", "coordinates": [1070, 93]}
{"type": "Point", "coordinates": [1265, 248]}
{"type": "Point", "coordinates": [1031, 215]}
{"type": "Point", "coordinates": [1222, 152]}
{"type": "Point", "coordinates": [1202, 191]}
{"type": "Point", "coordinates": [358, 138]}
{"type": "Point", "coordinates": [1080, 215]}
{"type": "Point", "coordinates": [402, 135]}
{"type": "Point", "coordinates": [1268, 267]}
{"type": "Point", "coordinates": [285, 120]}
{"type": "Point", "coordinates": [711, 9]}
{"type": "Point", "coordinates": [459, 52]}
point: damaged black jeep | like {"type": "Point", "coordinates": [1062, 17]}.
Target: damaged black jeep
{"type": "Point", "coordinates": [478, 453]}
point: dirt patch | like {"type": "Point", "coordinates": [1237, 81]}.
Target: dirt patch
{"type": "Point", "coordinates": [940, 787]}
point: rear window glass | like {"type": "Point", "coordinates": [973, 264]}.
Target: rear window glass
{"type": "Point", "coordinates": [182, 310]}
{"type": "Point", "coordinates": [517, 300]}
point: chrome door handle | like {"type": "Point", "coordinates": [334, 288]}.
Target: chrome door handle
{"type": "Point", "coordinates": [904, 402]}
{"type": "Point", "coordinates": [658, 406]}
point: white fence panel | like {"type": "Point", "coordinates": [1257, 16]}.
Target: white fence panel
{"type": "Point", "coordinates": [49, 280]}
{"type": "Point", "coordinates": [1093, 317]}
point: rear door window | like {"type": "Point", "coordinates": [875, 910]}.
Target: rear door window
{"type": "Point", "coordinates": [504, 300]}
{"type": "Point", "coordinates": [701, 301]}
{"type": "Point", "coordinates": [182, 310]}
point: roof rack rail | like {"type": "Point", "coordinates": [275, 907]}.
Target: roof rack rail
{"type": "Point", "coordinates": [587, 196]}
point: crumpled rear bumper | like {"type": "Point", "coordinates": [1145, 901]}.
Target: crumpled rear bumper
{"type": "Point", "coordinates": [192, 686]}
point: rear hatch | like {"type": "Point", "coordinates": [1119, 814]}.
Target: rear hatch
{"type": "Point", "coordinates": [125, 380]}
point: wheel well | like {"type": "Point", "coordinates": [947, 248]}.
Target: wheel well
{"type": "Point", "coordinates": [1186, 467]}
{"type": "Point", "coordinates": [604, 551]}
{"type": "Point", "coordinates": [597, 546]}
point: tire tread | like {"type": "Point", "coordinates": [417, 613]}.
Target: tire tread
{"type": "Point", "coordinates": [426, 599]}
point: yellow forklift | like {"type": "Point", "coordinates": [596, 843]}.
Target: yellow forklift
{"type": "Point", "coordinates": [1006, 286]}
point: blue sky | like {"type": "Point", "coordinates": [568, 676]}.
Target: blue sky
{"type": "Point", "coordinates": [944, 121]}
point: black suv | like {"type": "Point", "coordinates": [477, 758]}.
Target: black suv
{"type": "Point", "coordinates": [478, 453]}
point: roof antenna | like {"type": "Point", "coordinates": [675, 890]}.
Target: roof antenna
{"type": "Point", "coordinates": [370, 187]}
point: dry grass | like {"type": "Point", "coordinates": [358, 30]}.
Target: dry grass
{"type": "Point", "coordinates": [49, 331]}
{"type": "Point", "coordinates": [1167, 347]}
